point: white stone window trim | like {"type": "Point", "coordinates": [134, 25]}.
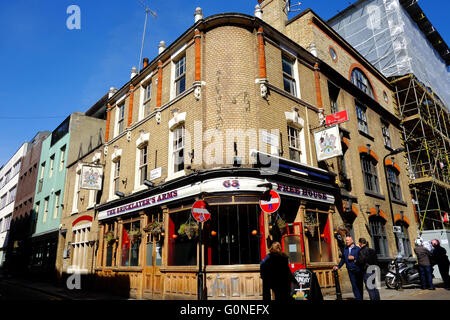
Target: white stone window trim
{"type": "Point", "coordinates": [116, 111]}
{"type": "Point", "coordinates": [142, 101]}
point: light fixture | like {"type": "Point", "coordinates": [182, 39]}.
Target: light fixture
{"type": "Point", "coordinates": [120, 194]}
{"type": "Point", "coordinates": [148, 183]}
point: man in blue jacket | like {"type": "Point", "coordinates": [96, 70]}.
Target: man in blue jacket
{"type": "Point", "coordinates": [349, 257]}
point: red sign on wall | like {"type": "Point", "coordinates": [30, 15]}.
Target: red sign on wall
{"type": "Point", "coordinates": [335, 118]}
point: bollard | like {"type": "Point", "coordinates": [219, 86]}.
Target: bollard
{"type": "Point", "coordinates": [338, 286]}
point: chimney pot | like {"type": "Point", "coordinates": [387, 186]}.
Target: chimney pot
{"type": "Point", "coordinates": [161, 47]}
{"type": "Point", "coordinates": [145, 62]}
{"type": "Point", "coordinates": [133, 72]}
{"type": "Point", "coordinates": [198, 14]}
{"type": "Point", "coordinates": [258, 11]}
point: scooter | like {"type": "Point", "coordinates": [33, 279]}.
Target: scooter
{"type": "Point", "coordinates": [408, 273]}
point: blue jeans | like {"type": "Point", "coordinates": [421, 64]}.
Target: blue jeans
{"type": "Point", "coordinates": [356, 279]}
{"type": "Point", "coordinates": [374, 294]}
{"type": "Point", "coordinates": [426, 277]}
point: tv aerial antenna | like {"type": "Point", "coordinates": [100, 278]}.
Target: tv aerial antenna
{"type": "Point", "coordinates": [147, 12]}
{"type": "Point", "coordinates": [293, 7]}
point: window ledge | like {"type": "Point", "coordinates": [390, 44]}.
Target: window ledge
{"type": "Point", "coordinates": [389, 148]}
{"type": "Point", "coordinates": [368, 136]}
{"type": "Point", "coordinates": [74, 212]}
{"type": "Point", "coordinates": [375, 195]}
{"type": "Point", "coordinates": [400, 202]}
{"type": "Point", "coordinates": [176, 175]}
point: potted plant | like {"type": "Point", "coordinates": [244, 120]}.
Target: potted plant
{"type": "Point", "coordinates": [134, 235]}
{"type": "Point", "coordinates": [281, 224]}
{"type": "Point", "coordinates": [154, 227]}
{"type": "Point", "coordinates": [189, 229]}
{"type": "Point", "coordinates": [110, 238]}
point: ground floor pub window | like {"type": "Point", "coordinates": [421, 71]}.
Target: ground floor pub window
{"type": "Point", "coordinates": [110, 244]}
{"type": "Point", "coordinates": [284, 215]}
{"type": "Point", "coordinates": [232, 235]}
{"type": "Point", "coordinates": [318, 234]}
{"type": "Point", "coordinates": [379, 239]}
{"type": "Point", "coordinates": [80, 248]}
{"type": "Point", "coordinates": [131, 240]}
{"type": "Point", "coordinates": [403, 238]}
{"type": "Point", "coordinates": [182, 244]}
{"type": "Point", "coordinates": [154, 239]}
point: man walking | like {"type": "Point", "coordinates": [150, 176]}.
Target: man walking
{"type": "Point", "coordinates": [349, 257]}
{"type": "Point", "coordinates": [367, 257]}
{"type": "Point", "coordinates": [423, 258]}
{"type": "Point", "coordinates": [439, 255]}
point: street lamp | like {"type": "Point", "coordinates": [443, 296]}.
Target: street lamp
{"type": "Point", "coordinates": [393, 152]}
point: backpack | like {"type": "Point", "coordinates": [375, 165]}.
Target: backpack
{"type": "Point", "coordinates": [373, 259]}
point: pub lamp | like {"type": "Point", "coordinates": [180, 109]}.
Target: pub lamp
{"type": "Point", "coordinates": [174, 236]}
{"type": "Point", "coordinates": [254, 232]}
{"type": "Point", "coordinates": [120, 194]}
{"type": "Point", "coordinates": [213, 233]}
{"type": "Point", "coordinates": [148, 183]}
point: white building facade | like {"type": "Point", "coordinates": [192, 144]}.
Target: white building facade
{"type": "Point", "coordinates": [9, 179]}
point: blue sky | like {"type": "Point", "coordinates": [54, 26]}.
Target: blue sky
{"type": "Point", "coordinates": [48, 71]}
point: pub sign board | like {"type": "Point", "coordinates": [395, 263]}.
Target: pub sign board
{"type": "Point", "coordinates": [91, 177]}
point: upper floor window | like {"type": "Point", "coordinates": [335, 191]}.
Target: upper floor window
{"type": "Point", "coordinates": [16, 168]}
{"type": "Point", "coordinates": [56, 209]}
{"type": "Point", "coordinates": [41, 177]}
{"type": "Point", "coordinates": [386, 135]}
{"type": "Point", "coordinates": [143, 164]}
{"type": "Point", "coordinates": [62, 155]}
{"type": "Point", "coordinates": [44, 218]}
{"type": "Point", "coordinates": [52, 162]}
{"type": "Point", "coordinates": [178, 149]}
{"type": "Point", "coordinates": [116, 176]}
{"type": "Point", "coordinates": [147, 97]}
{"type": "Point", "coordinates": [362, 119]}
{"type": "Point", "coordinates": [360, 80]}
{"type": "Point", "coordinates": [294, 143]}
{"type": "Point", "coordinates": [7, 223]}
{"type": "Point", "coordinates": [3, 202]}
{"type": "Point", "coordinates": [180, 76]}
{"type": "Point", "coordinates": [12, 194]}
{"type": "Point", "coordinates": [288, 75]}
{"type": "Point", "coordinates": [7, 176]}
{"type": "Point", "coordinates": [120, 120]}
{"type": "Point", "coordinates": [333, 92]}
{"type": "Point", "coordinates": [369, 169]}
{"type": "Point", "coordinates": [394, 183]}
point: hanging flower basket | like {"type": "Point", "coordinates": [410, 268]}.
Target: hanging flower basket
{"type": "Point", "coordinates": [189, 229]}
{"type": "Point", "coordinates": [134, 235]}
{"type": "Point", "coordinates": [110, 238]}
{"type": "Point", "coordinates": [281, 224]}
{"type": "Point", "coordinates": [154, 227]}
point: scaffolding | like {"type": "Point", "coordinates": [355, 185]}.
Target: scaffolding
{"type": "Point", "coordinates": [425, 123]}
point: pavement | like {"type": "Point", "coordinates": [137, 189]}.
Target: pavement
{"type": "Point", "coordinates": [23, 289]}
{"type": "Point", "coordinates": [408, 292]}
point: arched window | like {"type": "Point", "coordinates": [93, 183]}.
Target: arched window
{"type": "Point", "coordinates": [360, 80]}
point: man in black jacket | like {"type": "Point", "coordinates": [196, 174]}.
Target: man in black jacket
{"type": "Point", "coordinates": [367, 257]}
{"type": "Point", "coordinates": [439, 255]}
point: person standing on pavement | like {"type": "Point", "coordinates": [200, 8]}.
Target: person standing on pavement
{"type": "Point", "coordinates": [276, 275]}
{"type": "Point", "coordinates": [423, 258]}
{"type": "Point", "coordinates": [367, 257]}
{"type": "Point", "coordinates": [439, 255]}
{"type": "Point", "coordinates": [349, 257]}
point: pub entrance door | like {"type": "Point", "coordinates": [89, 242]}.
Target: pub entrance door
{"type": "Point", "coordinates": [292, 245]}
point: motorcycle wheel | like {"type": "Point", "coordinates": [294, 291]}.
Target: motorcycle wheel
{"type": "Point", "coordinates": [391, 282]}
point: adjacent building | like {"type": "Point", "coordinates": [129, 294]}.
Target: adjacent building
{"type": "Point", "coordinates": [398, 38]}
{"type": "Point", "coordinates": [19, 244]}
{"type": "Point", "coordinates": [73, 137]}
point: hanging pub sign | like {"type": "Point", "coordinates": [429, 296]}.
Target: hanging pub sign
{"type": "Point", "coordinates": [91, 177]}
{"type": "Point", "coordinates": [328, 143]}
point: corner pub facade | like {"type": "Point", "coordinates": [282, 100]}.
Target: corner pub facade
{"type": "Point", "coordinates": [222, 114]}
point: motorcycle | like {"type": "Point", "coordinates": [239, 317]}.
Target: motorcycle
{"type": "Point", "coordinates": [408, 273]}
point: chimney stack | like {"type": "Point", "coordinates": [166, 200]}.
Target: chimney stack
{"type": "Point", "coordinates": [198, 14]}
{"type": "Point", "coordinates": [133, 72]}
{"type": "Point", "coordinates": [111, 92]}
{"type": "Point", "coordinates": [274, 12]}
{"type": "Point", "coordinates": [145, 63]}
{"type": "Point", "coordinates": [161, 47]}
